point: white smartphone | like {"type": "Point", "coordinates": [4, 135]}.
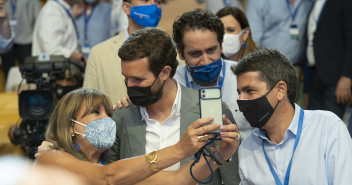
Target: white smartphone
{"type": "Point", "coordinates": [210, 105]}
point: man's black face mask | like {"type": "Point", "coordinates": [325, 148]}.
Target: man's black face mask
{"type": "Point", "coordinates": [257, 111]}
{"type": "Point", "coordinates": [143, 96]}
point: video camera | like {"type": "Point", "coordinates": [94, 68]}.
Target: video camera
{"type": "Point", "coordinates": [36, 106]}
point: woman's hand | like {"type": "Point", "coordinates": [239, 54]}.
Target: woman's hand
{"type": "Point", "coordinates": [195, 136]}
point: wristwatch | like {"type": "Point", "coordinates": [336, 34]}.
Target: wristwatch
{"type": "Point", "coordinates": [219, 160]}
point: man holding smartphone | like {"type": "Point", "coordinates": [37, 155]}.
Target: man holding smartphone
{"type": "Point", "coordinates": [162, 108]}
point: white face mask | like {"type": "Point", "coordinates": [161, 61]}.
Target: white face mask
{"type": "Point", "coordinates": [231, 43]}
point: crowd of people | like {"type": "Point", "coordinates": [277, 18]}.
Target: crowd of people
{"type": "Point", "coordinates": [265, 60]}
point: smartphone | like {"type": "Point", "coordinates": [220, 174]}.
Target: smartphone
{"type": "Point", "coordinates": [210, 105]}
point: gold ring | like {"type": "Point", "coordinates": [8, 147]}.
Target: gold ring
{"type": "Point", "coordinates": [202, 138]}
{"type": "Point", "coordinates": [238, 137]}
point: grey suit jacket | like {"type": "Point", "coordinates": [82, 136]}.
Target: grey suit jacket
{"type": "Point", "coordinates": [131, 134]}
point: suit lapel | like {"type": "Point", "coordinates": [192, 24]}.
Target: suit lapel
{"type": "Point", "coordinates": [189, 112]}
{"type": "Point", "coordinates": [136, 132]}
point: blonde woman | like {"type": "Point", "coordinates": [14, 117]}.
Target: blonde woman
{"type": "Point", "coordinates": [81, 129]}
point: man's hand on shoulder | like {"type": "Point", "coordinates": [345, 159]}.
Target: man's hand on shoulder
{"type": "Point", "coordinates": [124, 102]}
{"type": "Point", "coordinates": [45, 146]}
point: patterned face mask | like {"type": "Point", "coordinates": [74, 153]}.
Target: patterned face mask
{"type": "Point", "coordinates": [101, 133]}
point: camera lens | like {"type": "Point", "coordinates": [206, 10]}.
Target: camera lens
{"type": "Point", "coordinates": [203, 95]}
{"type": "Point", "coordinates": [203, 91]}
{"type": "Point", "coordinates": [35, 105]}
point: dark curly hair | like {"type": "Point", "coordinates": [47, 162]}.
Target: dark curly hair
{"type": "Point", "coordinates": [153, 43]}
{"type": "Point", "coordinates": [272, 66]}
{"type": "Point", "coordinates": [197, 19]}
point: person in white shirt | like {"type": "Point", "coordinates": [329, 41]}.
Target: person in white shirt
{"type": "Point", "coordinates": [289, 145]}
{"type": "Point", "coordinates": [55, 31]}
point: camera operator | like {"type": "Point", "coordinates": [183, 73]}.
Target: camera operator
{"type": "Point", "coordinates": [70, 79]}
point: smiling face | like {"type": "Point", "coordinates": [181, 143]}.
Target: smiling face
{"type": "Point", "coordinates": [201, 47]}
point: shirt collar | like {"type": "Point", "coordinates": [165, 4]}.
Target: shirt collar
{"type": "Point", "coordinates": [126, 34]}
{"type": "Point", "coordinates": [176, 107]}
{"type": "Point", "coordinates": [193, 84]}
{"type": "Point", "coordinates": [292, 128]}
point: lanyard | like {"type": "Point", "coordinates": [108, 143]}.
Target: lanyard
{"type": "Point", "coordinates": [220, 82]}
{"type": "Point", "coordinates": [298, 136]}
{"type": "Point", "coordinates": [86, 20]}
{"type": "Point", "coordinates": [294, 13]}
{"type": "Point", "coordinates": [72, 19]}
{"type": "Point", "coordinates": [13, 8]}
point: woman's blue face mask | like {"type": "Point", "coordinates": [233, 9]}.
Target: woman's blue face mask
{"type": "Point", "coordinates": [101, 133]}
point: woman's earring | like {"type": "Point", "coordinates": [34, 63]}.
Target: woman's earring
{"type": "Point", "coordinates": [244, 44]}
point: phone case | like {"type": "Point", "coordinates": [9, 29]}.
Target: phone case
{"type": "Point", "coordinates": [210, 105]}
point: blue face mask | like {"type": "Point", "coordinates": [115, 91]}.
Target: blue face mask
{"type": "Point", "coordinates": [146, 15]}
{"type": "Point", "coordinates": [206, 73]}
{"type": "Point", "coordinates": [101, 133]}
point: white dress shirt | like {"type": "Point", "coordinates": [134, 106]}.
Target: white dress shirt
{"type": "Point", "coordinates": [159, 136]}
{"type": "Point", "coordinates": [54, 31]}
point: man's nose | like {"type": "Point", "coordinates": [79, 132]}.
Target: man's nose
{"type": "Point", "coordinates": [205, 59]}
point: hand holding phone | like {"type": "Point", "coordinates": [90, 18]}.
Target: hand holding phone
{"type": "Point", "coordinates": [210, 105]}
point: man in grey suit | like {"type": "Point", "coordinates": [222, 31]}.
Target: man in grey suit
{"type": "Point", "coordinates": [162, 109]}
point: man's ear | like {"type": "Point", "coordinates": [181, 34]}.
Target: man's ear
{"type": "Point", "coordinates": [126, 7]}
{"type": "Point", "coordinates": [282, 90]}
{"type": "Point", "coordinates": [180, 54]}
{"type": "Point", "coordinates": [165, 72]}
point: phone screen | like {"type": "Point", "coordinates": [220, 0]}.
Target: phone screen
{"type": "Point", "coordinates": [210, 105]}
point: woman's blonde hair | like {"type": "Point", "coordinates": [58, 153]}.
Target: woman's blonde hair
{"type": "Point", "coordinates": [58, 130]}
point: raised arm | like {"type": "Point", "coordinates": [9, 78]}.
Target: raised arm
{"type": "Point", "coordinates": [132, 170]}
{"type": "Point", "coordinates": [228, 146]}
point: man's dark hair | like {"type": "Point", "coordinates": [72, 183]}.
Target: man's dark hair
{"type": "Point", "coordinates": [197, 19]}
{"type": "Point", "coordinates": [153, 43]}
{"type": "Point", "coordinates": [272, 66]}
